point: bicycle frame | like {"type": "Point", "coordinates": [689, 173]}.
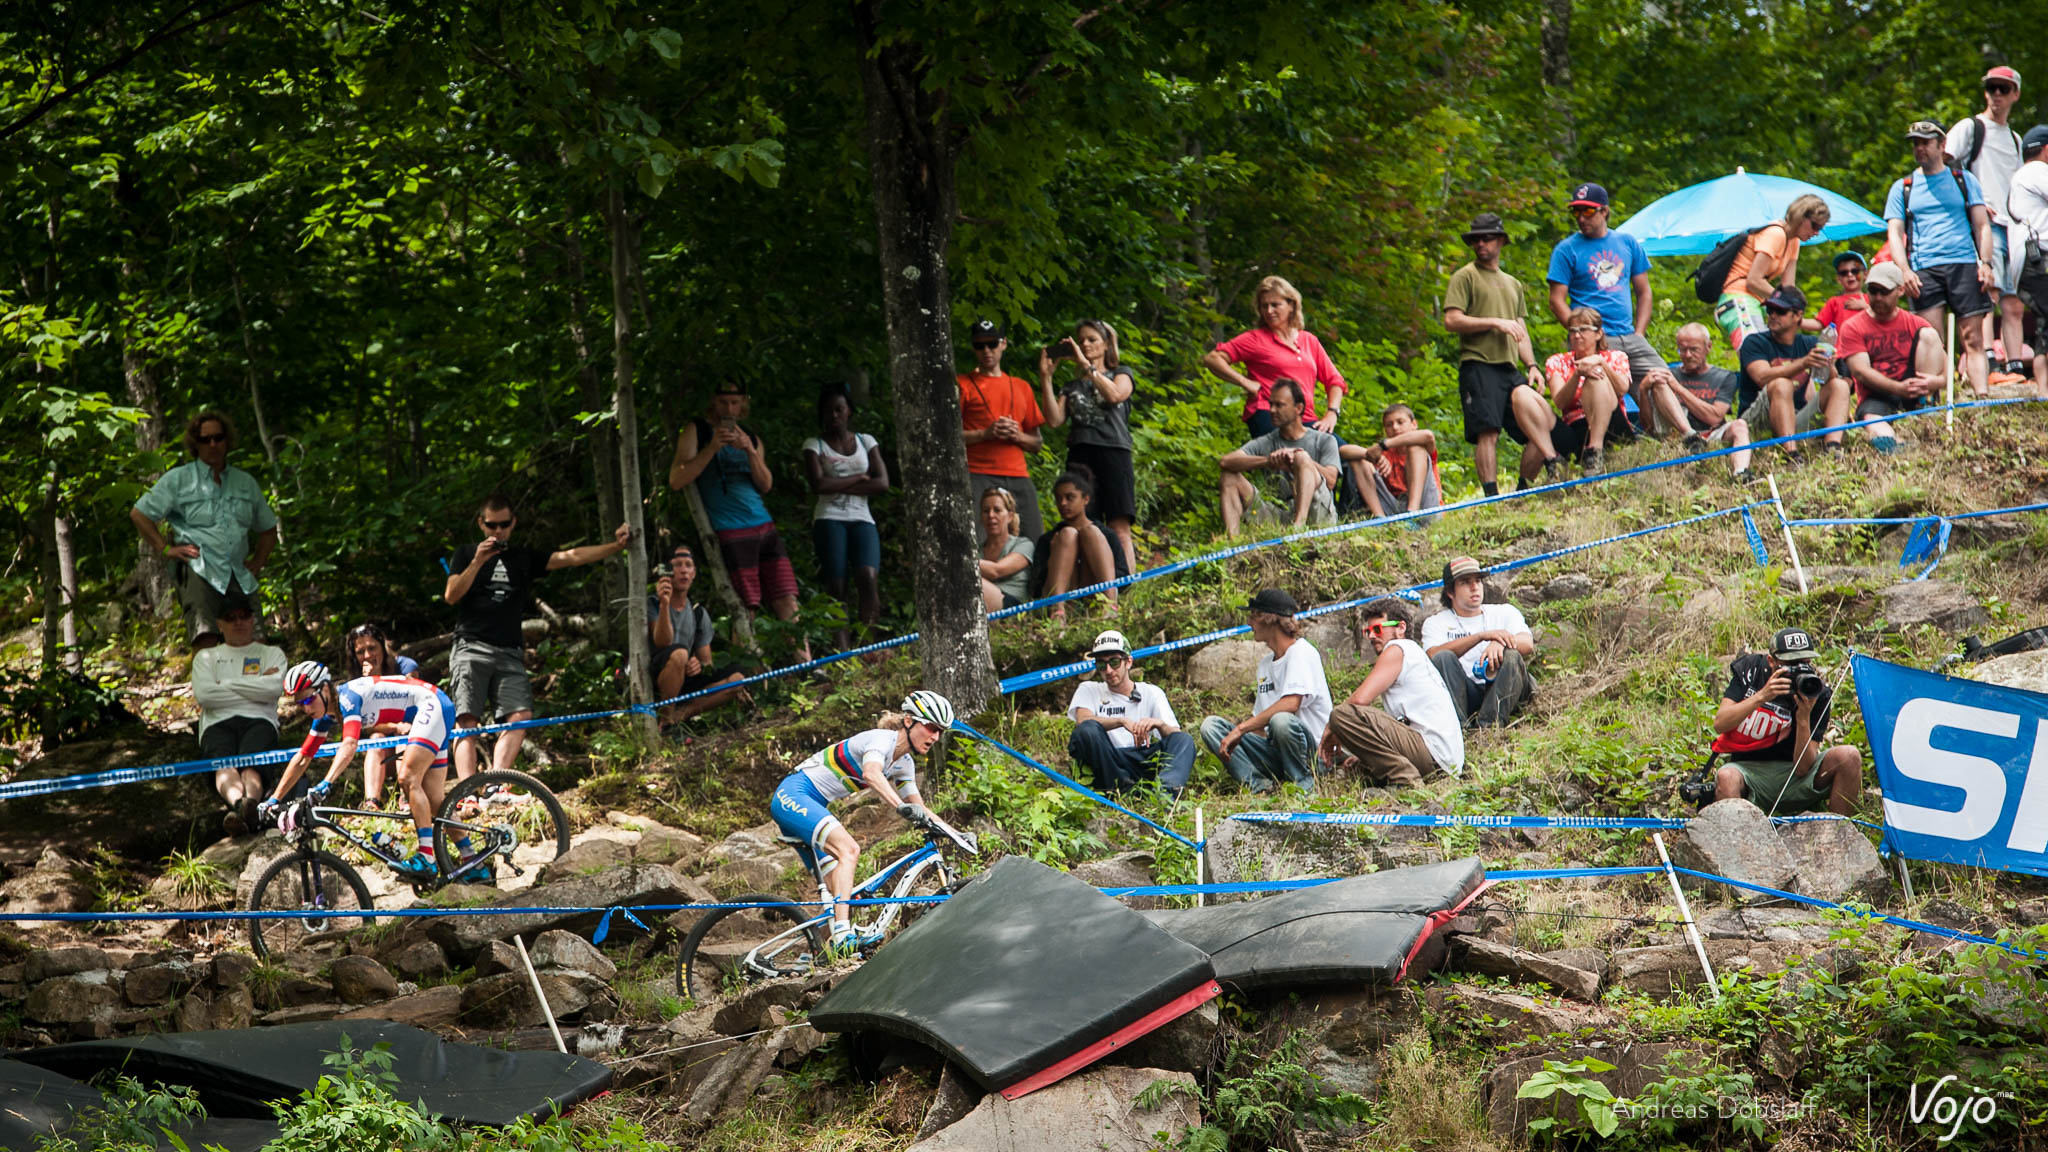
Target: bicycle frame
{"type": "Point", "coordinates": [319, 819]}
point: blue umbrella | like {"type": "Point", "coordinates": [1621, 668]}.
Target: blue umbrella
{"type": "Point", "coordinates": [1692, 220]}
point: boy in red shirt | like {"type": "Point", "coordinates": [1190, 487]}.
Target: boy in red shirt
{"type": "Point", "coordinates": [1849, 270]}
{"type": "Point", "coordinates": [1403, 474]}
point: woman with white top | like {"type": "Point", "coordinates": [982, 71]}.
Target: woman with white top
{"type": "Point", "coordinates": [845, 468]}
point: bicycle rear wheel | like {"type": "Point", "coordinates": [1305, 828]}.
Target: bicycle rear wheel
{"type": "Point", "coordinates": [305, 881]}
{"type": "Point", "coordinates": [509, 814]}
{"type": "Point", "coordinates": [736, 940]}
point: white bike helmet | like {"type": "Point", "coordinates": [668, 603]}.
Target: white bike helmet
{"type": "Point", "coordinates": [306, 676]}
{"type": "Point", "coordinates": [929, 707]}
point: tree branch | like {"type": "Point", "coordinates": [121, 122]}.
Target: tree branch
{"type": "Point", "coordinates": [170, 31]}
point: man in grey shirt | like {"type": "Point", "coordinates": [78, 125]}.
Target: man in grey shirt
{"type": "Point", "coordinates": [1304, 463]}
{"type": "Point", "coordinates": [682, 635]}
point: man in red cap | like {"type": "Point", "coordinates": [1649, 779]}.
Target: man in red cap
{"type": "Point", "coordinates": [1987, 147]}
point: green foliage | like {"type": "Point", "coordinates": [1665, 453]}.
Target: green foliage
{"type": "Point", "coordinates": [1571, 1091]}
{"type": "Point", "coordinates": [54, 703]}
{"type": "Point", "coordinates": [193, 875]}
{"type": "Point", "coordinates": [1047, 821]}
{"type": "Point", "coordinates": [134, 1119]}
{"type": "Point", "coordinates": [1260, 1102]}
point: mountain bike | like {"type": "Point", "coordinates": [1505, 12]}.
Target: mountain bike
{"type": "Point", "coordinates": [512, 820]}
{"type": "Point", "coordinates": [729, 942]}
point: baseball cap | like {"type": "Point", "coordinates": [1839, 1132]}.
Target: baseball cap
{"type": "Point", "coordinates": [1273, 600]}
{"type": "Point", "coordinates": [683, 550]}
{"type": "Point", "coordinates": [1461, 567]}
{"type": "Point", "coordinates": [1849, 255]}
{"type": "Point", "coordinates": [1111, 643]}
{"type": "Point", "coordinates": [2003, 73]}
{"type": "Point", "coordinates": [1887, 276]}
{"type": "Point", "coordinates": [1925, 130]}
{"type": "Point", "coordinates": [2036, 137]}
{"type": "Point", "coordinates": [729, 388]}
{"type": "Point", "coordinates": [1788, 298]}
{"type": "Point", "coordinates": [985, 330]}
{"type": "Point", "coordinates": [1792, 645]}
{"type": "Point", "coordinates": [234, 600]}
{"type": "Point", "coordinates": [1589, 196]}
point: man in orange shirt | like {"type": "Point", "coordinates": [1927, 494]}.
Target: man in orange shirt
{"type": "Point", "coordinates": [999, 420]}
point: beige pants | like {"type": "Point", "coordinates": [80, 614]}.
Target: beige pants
{"type": "Point", "coordinates": [1388, 751]}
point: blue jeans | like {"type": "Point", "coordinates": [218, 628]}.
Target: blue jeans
{"type": "Point", "coordinates": [1171, 757]}
{"type": "Point", "coordinates": [1283, 753]}
{"type": "Point", "coordinates": [844, 545]}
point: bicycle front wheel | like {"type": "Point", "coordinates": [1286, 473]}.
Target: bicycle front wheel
{"type": "Point", "coordinates": [305, 881]}
{"type": "Point", "coordinates": [509, 815]}
{"type": "Point", "coordinates": [753, 943]}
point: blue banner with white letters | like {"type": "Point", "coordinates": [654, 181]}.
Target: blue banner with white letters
{"type": "Point", "coordinates": [1963, 765]}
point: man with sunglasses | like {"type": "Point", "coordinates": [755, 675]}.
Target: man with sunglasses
{"type": "Point", "coordinates": [1778, 397]}
{"type": "Point", "coordinates": [1418, 734]}
{"type": "Point", "coordinates": [1125, 732]}
{"type": "Point", "coordinates": [1850, 267]}
{"type": "Point", "coordinates": [212, 510]}
{"type": "Point", "coordinates": [1938, 224]}
{"type": "Point", "coordinates": [491, 585]}
{"type": "Point", "coordinates": [1894, 357]}
{"type": "Point", "coordinates": [1596, 267]}
{"type": "Point", "coordinates": [999, 421]}
{"type": "Point", "coordinates": [1987, 147]}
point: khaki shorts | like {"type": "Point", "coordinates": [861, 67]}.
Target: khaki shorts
{"type": "Point", "coordinates": [1773, 787]}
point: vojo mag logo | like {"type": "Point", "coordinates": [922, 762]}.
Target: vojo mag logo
{"type": "Point", "coordinates": [1982, 781]}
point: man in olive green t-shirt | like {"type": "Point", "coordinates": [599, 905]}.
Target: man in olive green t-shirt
{"type": "Point", "coordinates": [1486, 308]}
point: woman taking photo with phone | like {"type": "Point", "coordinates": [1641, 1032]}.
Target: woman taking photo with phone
{"type": "Point", "coordinates": [1098, 400]}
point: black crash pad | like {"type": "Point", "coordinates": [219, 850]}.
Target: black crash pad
{"type": "Point", "coordinates": [36, 1102]}
{"type": "Point", "coordinates": [240, 1072]}
{"type": "Point", "coordinates": [1363, 929]}
{"type": "Point", "coordinates": [1023, 969]}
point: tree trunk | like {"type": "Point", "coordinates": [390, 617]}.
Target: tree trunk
{"type": "Point", "coordinates": [67, 589]}
{"type": "Point", "coordinates": [638, 688]}
{"type": "Point", "coordinates": [152, 574]}
{"type": "Point", "coordinates": [911, 155]}
{"type": "Point", "coordinates": [602, 435]}
{"type": "Point", "coordinates": [1554, 40]}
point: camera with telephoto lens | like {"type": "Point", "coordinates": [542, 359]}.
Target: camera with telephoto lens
{"type": "Point", "coordinates": [1806, 682]}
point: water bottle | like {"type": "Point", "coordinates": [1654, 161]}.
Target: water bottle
{"type": "Point", "coordinates": [1826, 347]}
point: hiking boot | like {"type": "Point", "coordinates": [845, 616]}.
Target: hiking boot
{"type": "Point", "coordinates": [1885, 445]}
{"type": "Point", "coordinates": [233, 823]}
{"type": "Point", "coordinates": [1695, 444]}
{"type": "Point", "coordinates": [1592, 462]}
{"type": "Point", "coordinates": [1553, 470]}
{"type": "Point", "coordinates": [417, 868]}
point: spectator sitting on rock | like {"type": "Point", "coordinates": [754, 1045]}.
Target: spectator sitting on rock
{"type": "Point", "coordinates": [1588, 382]}
{"type": "Point", "coordinates": [1303, 460]}
{"type": "Point", "coordinates": [235, 683]}
{"type": "Point", "coordinates": [1125, 732]}
{"type": "Point", "coordinates": [1076, 552]}
{"type": "Point", "coordinates": [682, 633]}
{"type": "Point", "coordinates": [1418, 735]}
{"type": "Point", "coordinates": [1894, 357]}
{"type": "Point", "coordinates": [1290, 708]}
{"type": "Point", "coordinates": [1005, 562]}
{"type": "Point", "coordinates": [1770, 725]}
{"type": "Point", "coordinates": [213, 510]}
{"type": "Point", "coordinates": [1481, 650]}
{"type": "Point", "coordinates": [1697, 398]}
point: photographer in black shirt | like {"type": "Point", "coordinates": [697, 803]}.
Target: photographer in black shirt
{"type": "Point", "coordinates": [1769, 725]}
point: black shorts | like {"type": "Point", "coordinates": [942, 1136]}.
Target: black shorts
{"type": "Point", "coordinates": [1569, 436]}
{"type": "Point", "coordinates": [1954, 287]}
{"type": "Point", "coordinates": [1483, 391]}
{"type": "Point", "coordinates": [243, 736]}
{"type": "Point", "coordinates": [1116, 483]}
{"type": "Point", "coordinates": [706, 679]}
{"type": "Point", "coordinates": [1880, 406]}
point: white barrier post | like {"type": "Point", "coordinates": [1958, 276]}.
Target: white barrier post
{"type": "Point", "coordinates": [1685, 910]}
{"type": "Point", "coordinates": [1199, 841]}
{"type": "Point", "coordinates": [541, 996]}
{"type": "Point", "coordinates": [1950, 416]}
{"type": "Point", "coordinates": [1790, 548]}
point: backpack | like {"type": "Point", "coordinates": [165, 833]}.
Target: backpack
{"type": "Point", "coordinates": [1977, 144]}
{"type": "Point", "coordinates": [1713, 271]}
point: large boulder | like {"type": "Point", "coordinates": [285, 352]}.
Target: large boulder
{"type": "Point", "coordinates": [361, 980]}
{"type": "Point", "coordinates": [1835, 861]}
{"type": "Point", "coordinates": [507, 1001]}
{"type": "Point", "coordinates": [2026, 670]}
{"type": "Point", "coordinates": [586, 855]}
{"type": "Point", "coordinates": [56, 884]}
{"type": "Point", "coordinates": [1733, 838]}
{"type": "Point", "coordinates": [435, 1007]}
{"type": "Point", "coordinates": [1503, 1017]}
{"type": "Point", "coordinates": [1123, 870]}
{"type": "Point", "coordinates": [1096, 1109]}
{"type": "Point", "coordinates": [1570, 586]}
{"type": "Point", "coordinates": [1225, 666]}
{"type": "Point", "coordinates": [749, 860]}
{"type": "Point", "coordinates": [1485, 957]}
{"type": "Point", "coordinates": [635, 884]}
{"type": "Point", "coordinates": [560, 949]}
{"type": "Point", "coordinates": [1242, 850]}
{"type": "Point", "coordinates": [1947, 607]}
{"type": "Point", "coordinates": [44, 963]}
{"type": "Point", "coordinates": [82, 1001]}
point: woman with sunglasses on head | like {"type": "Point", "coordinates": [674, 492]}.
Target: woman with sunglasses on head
{"type": "Point", "coordinates": [369, 652]}
{"type": "Point", "coordinates": [1767, 261]}
{"type": "Point", "coordinates": [1587, 383]}
{"type": "Point", "coordinates": [380, 706]}
{"type": "Point", "coordinates": [882, 759]}
{"type": "Point", "coordinates": [1098, 399]}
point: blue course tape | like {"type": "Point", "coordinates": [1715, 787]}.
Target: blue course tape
{"type": "Point", "coordinates": [1845, 521]}
{"type": "Point", "coordinates": [1868, 914]}
{"type": "Point", "coordinates": [1419, 820]}
{"type": "Point", "coordinates": [1071, 783]}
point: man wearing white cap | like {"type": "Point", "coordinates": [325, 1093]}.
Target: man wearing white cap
{"type": "Point", "coordinates": [1126, 732]}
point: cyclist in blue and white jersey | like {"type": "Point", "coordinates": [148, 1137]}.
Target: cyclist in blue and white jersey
{"type": "Point", "coordinates": [880, 758]}
{"type": "Point", "coordinates": [382, 706]}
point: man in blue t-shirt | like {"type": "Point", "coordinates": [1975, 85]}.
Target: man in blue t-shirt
{"type": "Point", "coordinates": [1937, 220]}
{"type": "Point", "coordinates": [1607, 271]}
{"type": "Point", "coordinates": [1777, 396]}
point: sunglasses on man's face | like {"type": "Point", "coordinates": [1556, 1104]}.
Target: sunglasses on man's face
{"type": "Point", "coordinates": [216, 438]}
{"type": "Point", "coordinates": [1111, 661]}
{"type": "Point", "coordinates": [1879, 290]}
{"type": "Point", "coordinates": [2000, 89]}
{"type": "Point", "coordinates": [494, 525]}
{"type": "Point", "coordinates": [1385, 626]}
{"type": "Point", "coordinates": [307, 702]}
{"type": "Point", "coordinates": [985, 346]}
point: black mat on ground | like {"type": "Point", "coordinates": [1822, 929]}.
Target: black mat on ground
{"type": "Point", "coordinates": [1025, 967]}
{"type": "Point", "coordinates": [1356, 930]}
{"type": "Point", "coordinates": [238, 1073]}
{"type": "Point", "coordinates": [36, 1102]}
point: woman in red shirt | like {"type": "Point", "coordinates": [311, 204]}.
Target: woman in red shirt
{"type": "Point", "coordinates": [1278, 347]}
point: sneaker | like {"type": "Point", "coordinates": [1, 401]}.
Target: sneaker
{"type": "Point", "coordinates": [2017, 368]}
{"type": "Point", "coordinates": [1746, 476]}
{"type": "Point", "coordinates": [1553, 470]}
{"type": "Point", "coordinates": [1695, 444]}
{"type": "Point", "coordinates": [1885, 445]}
{"type": "Point", "coordinates": [417, 867]}
{"type": "Point", "coordinates": [233, 824]}
{"type": "Point", "coordinates": [1592, 462]}
{"type": "Point", "coordinates": [485, 872]}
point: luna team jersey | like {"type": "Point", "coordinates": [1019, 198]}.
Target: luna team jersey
{"type": "Point", "coordinates": [372, 700]}
{"type": "Point", "coordinates": [836, 771]}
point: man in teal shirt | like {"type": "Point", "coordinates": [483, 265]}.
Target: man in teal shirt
{"type": "Point", "coordinates": [212, 510]}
